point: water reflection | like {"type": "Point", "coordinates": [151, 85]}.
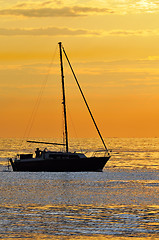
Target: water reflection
{"type": "Point", "coordinates": [119, 203]}
{"type": "Point", "coordinates": [51, 205]}
{"type": "Point", "coordinates": [73, 220]}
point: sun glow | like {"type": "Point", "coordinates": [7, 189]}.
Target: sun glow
{"type": "Point", "coordinates": [148, 5]}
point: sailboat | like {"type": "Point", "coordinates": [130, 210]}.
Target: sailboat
{"type": "Point", "coordinates": [62, 161]}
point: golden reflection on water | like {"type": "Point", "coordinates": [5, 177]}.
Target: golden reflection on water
{"type": "Point", "coordinates": [35, 221]}
{"type": "Point", "coordinates": [46, 237]}
{"type": "Point", "coordinates": [96, 237]}
{"type": "Point", "coordinates": [134, 160]}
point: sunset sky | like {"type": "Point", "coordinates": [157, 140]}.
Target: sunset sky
{"type": "Point", "coordinates": [113, 46]}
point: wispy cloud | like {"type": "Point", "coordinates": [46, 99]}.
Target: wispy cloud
{"type": "Point", "coordinates": [122, 32]}
{"type": "Point", "coordinates": [133, 6]}
{"type": "Point", "coordinates": [130, 74]}
{"type": "Point", "coordinates": [60, 8]}
{"type": "Point", "coordinates": [55, 31]}
{"type": "Point", "coordinates": [75, 11]}
{"type": "Point", "coordinates": [50, 31]}
{"type": "Point", "coordinates": [33, 4]}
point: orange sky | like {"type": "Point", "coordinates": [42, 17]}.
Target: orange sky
{"type": "Point", "coordinates": [113, 47]}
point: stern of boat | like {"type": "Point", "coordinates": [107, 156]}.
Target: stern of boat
{"type": "Point", "coordinates": [12, 164]}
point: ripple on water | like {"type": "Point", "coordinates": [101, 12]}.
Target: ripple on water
{"type": "Point", "coordinates": [86, 220]}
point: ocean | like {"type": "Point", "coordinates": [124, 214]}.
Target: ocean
{"type": "Point", "coordinates": [122, 202]}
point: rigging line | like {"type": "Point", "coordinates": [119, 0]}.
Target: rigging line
{"type": "Point", "coordinates": [85, 100]}
{"type": "Point", "coordinates": [38, 100]}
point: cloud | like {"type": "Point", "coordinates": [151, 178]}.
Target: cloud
{"type": "Point", "coordinates": [50, 31]}
{"type": "Point", "coordinates": [153, 58]}
{"type": "Point", "coordinates": [33, 4]}
{"type": "Point", "coordinates": [55, 31]}
{"type": "Point", "coordinates": [114, 74]}
{"type": "Point", "coordinates": [123, 32]}
{"type": "Point", "coordinates": [60, 8]}
{"type": "Point", "coordinates": [54, 12]}
{"type": "Point", "coordinates": [21, 5]}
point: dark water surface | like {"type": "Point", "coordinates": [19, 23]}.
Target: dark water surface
{"type": "Point", "coordinates": [119, 203]}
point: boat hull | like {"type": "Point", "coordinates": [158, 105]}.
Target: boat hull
{"type": "Point", "coordinates": [94, 164]}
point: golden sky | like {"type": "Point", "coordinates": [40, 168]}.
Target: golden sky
{"type": "Point", "coordinates": [113, 46]}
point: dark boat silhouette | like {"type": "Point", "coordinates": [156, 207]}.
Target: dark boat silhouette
{"type": "Point", "coordinates": [57, 161]}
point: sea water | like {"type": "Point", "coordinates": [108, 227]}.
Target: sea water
{"type": "Point", "coordinates": [122, 202]}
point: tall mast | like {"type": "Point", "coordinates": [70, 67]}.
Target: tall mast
{"type": "Point", "coordinates": [85, 101]}
{"type": "Point", "coordinates": [63, 93]}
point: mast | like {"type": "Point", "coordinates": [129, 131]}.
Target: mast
{"type": "Point", "coordinates": [85, 100]}
{"type": "Point", "coordinates": [63, 93]}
